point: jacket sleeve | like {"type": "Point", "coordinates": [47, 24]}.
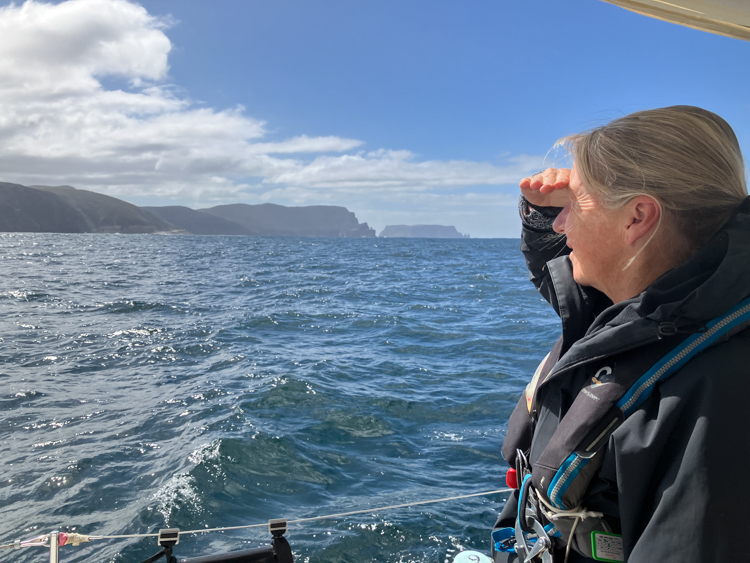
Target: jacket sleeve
{"type": "Point", "coordinates": [681, 462]}
{"type": "Point", "coordinates": [540, 244]}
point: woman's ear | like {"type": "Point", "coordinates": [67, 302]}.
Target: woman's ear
{"type": "Point", "coordinates": [644, 213]}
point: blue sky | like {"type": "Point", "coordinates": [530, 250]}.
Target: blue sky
{"type": "Point", "coordinates": [404, 112]}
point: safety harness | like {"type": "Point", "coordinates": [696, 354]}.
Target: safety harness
{"type": "Point", "coordinates": [550, 515]}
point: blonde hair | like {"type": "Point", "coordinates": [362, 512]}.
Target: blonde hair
{"type": "Point", "coordinates": [687, 158]}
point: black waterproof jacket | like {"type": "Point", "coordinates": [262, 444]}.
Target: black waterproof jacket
{"type": "Point", "coordinates": [675, 475]}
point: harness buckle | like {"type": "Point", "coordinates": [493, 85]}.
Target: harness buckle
{"type": "Point", "coordinates": [532, 540]}
{"type": "Point", "coordinates": [529, 549]}
{"type": "Point", "coordinates": [523, 467]}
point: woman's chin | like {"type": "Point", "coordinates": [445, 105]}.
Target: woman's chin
{"type": "Point", "coordinates": [580, 280]}
{"type": "Point", "coordinates": [579, 276]}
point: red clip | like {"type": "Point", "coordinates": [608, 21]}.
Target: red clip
{"type": "Point", "coordinates": [511, 479]}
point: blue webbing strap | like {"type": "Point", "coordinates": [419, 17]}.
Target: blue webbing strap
{"type": "Point", "coordinates": [501, 537]}
{"type": "Point", "coordinates": [645, 385]}
{"type": "Point", "coordinates": [678, 357]}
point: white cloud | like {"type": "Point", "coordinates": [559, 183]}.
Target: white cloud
{"type": "Point", "coordinates": [60, 125]}
{"type": "Point", "coordinates": [303, 144]}
{"type": "Point", "coordinates": [398, 169]}
{"type": "Point", "coordinates": [51, 50]}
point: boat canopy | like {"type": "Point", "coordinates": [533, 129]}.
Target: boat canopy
{"type": "Point", "coordinates": [723, 17]}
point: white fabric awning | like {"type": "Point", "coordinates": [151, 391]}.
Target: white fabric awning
{"type": "Point", "coordinates": [724, 17]}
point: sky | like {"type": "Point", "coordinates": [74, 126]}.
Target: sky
{"type": "Point", "coordinates": [417, 112]}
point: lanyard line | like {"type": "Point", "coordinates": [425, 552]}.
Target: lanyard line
{"type": "Point", "coordinates": [297, 521]}
{"type": "Point", "coordinates": [354, 512]}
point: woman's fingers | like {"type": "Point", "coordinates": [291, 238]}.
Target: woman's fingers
{"type": "Point", "coordinates": [547, 180]}
{"type": "Point", "coordinates": [547, 188]}
{"type": "Point", "coordinates": [563, 178]}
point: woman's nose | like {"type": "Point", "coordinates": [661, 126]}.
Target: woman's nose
{"type": "Point", "coordinates": [559, 225]}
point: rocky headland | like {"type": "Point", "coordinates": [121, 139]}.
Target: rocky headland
{"type": "Point", "coordinates": [277, 220]}
{"type": "Point", "coordinates": [64, 209]}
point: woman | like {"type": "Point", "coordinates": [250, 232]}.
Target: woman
{"type": "Point", "coordinates": [635, 427]}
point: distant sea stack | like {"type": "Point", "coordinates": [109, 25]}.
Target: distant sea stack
{"type": "Point", "coordinates": [420, 231]}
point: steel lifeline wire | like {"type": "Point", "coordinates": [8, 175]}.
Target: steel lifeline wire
{"type": "Point", "coordinates": [53, 540]}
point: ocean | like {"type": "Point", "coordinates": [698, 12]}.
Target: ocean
{"type": "Point", "coordinates": [154, 381]}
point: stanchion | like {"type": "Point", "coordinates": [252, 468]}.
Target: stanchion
{"type": "Point", "coordinates": [54, 548]}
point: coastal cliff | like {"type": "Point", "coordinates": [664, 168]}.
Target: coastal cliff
{"type": "Point", "coordinates": [276, 220]}
{"type": "Point", "coordinates": [196, 222]}
{"type": "Point", "coordinates": [64, 209]}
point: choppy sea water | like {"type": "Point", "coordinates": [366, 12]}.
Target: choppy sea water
{"type": "Point", "coordinates": [184, 381]}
